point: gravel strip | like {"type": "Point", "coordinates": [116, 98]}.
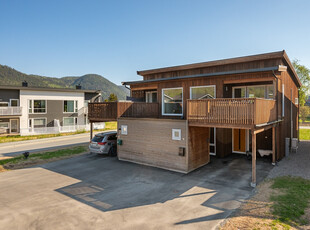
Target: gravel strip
{"type": "Point", "coordinates": [297, 164]}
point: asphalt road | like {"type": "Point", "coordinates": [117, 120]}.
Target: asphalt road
{"type": "Point", "coordinates": [18, 147]}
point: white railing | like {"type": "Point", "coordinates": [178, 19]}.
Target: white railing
{"type": "Point", "coordinates": [9, 111]}
{"type": "Point", "coordinates": [59, 129]}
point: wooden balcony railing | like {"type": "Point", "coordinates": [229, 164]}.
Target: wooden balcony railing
{"type": "Point", "coordinates": [111, 111]}
{"type": "Point", "coordinates": [231, 112]}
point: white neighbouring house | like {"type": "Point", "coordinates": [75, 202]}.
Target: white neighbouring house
{"type": "Point", "coordinates": [30, 111]}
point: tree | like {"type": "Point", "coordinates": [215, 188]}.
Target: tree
{"type": "Point", "coordinates": [111, 98]}
{"type": "Point", "coordinates": [304, 113]}
{"type": "Point", "coordinates": [304, 75]}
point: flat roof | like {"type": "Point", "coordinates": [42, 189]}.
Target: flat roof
{"type": "Point", "coordinates": [48, 89]}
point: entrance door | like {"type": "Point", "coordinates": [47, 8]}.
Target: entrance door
{"type": "Point", "coordinates": [239, 140]}
{"type": "Point", "coordinates": [239, 135]}
{"type": "Point", "coordinates": [14, 126]}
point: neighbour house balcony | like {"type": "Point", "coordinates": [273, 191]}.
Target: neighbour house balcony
{"type": "Point", "coordinates": [10, 111]}
{"type": "Point", "coordinates": [230, 112]}
{"type": "Point", "coordinates": [111, 111]}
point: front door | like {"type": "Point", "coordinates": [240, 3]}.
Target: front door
{"type": "Point", "coordinates": [239, 140]}
{"type": "Point", "coordinates": [14, 126]}
{"type": "Point", "coordinates": [239, 135]}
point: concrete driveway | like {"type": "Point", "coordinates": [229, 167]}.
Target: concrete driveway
{"type": "Point", "coordinates": [95, 192]}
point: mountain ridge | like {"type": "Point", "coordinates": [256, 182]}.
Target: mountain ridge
{"type": "Point", "coordinates": [13, 77]}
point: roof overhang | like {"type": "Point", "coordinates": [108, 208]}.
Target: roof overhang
{"type": "Point", "coordinates": [274, 68]}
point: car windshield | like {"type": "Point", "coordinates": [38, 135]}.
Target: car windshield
{"type": "Point", "coordinates": [97, 139]}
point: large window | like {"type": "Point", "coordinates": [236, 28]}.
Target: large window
{"type": "Point", "coordinates": [254, 91]}
{"type": "Point", "coordinates": [172, 100]}
{"type": "Point", "coordinates": [202, 92]}
{"type": "Point", "coordinates": [37, 122]}
{"type": "Point", "coordinates": [70, 106]}
{"type": "Point", "coordinates": [37, 106]}
{"type": "Point", "coordinates": [70, 121]}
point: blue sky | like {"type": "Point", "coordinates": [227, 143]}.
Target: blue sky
{"type": "Point", "coordinates": [116, 38]}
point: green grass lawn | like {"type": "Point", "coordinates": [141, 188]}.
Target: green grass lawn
{"type": "Point", "coordinates": [4, 139]}
{"type": "Point", "coordinates": [45, 155]}
{"type": "Point", "coordinates": [292, 199]}
{"type": "Point", "coordinates": [304, 134]}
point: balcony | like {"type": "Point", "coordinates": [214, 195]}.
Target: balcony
{"type": "Point", "coordinates": [238, 113]}
{"type": "Point", "coordinates": [111, 111]}
{"type": "Point", "coordinates": [10, 111]}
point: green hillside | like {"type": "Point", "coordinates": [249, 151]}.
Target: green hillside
{"type": "Point", "coordinates": [12, 77]}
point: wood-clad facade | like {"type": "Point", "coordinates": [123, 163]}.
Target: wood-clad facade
{"type": "Point", "coordinates": [232, 105]}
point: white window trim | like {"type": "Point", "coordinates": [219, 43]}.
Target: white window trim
{"type": "Point", "coordinates": [247, 90]}
{"type": "Point", "coordinates": [5, 122]}
{"type": "Point", "coordinates": [173, 134]}
{"type": "Point", "coordinates": [201, 86]}
{"type": "Point", "coordinates": [75, 106]}
{"type": "Point", "coordinates": [32, 122]}
{"type": "Point", "coordinates": [163, 105]}
{"type": "Point", "coordinates": [32, 106]}
{"type": "Point", "coordinates": [149, 93]}
{"type": "Point", "coordinates": [14, 100]}
{"type": "Point", "coordinates": [63, 121]}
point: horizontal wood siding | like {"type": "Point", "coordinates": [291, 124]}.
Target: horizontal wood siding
{"type": "Point", "coordinates": [149, 141]}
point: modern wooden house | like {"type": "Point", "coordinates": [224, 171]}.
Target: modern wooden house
{"type": "Point", "coordinates": [179, 116]}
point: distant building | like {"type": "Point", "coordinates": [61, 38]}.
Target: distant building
{"type": "Point", "coordinates": [27, 110]}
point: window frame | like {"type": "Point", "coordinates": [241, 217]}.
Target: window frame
{"type": "Point", "coordinates": [201, 86]}
{"type": "Point", "coordinates": [163, 104]}
{"type": "Point", "coordinates": [247, 91]}
{"type": "Point", "coordinates": [75, 106]}
{"type": "Point", "coordinates": [14, 100]}
{"type": "Point", "coordinates": [32, 122]}
{"type": "Point", "coordinates": [5, 122]}
{"type": "Point", "coordinates": [31, 106]}
{"type": "Point", "coordinates": [74, 121]}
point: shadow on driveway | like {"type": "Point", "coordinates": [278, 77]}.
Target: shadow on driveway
{"type": "Point", "coordinates": [210, 193]}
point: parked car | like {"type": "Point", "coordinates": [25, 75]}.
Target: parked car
{"type": "Point", "coordinates": [104, 143]}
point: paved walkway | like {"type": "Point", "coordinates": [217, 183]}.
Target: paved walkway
{"type": "Point", "coordinates": [297, 164]}
{"type": "Point", "coordinates": [18, 147]}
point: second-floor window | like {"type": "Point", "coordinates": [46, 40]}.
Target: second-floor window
{"type": "Point", "coordinates": [37, 106]}
{"type": "Point", "coordinates": [70, 106]}
{"type": "Point", "coordinates": [202, 92]}
{"type": "Point", "coordinates": [172, 101]}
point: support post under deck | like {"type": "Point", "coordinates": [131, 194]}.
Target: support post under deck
{"type": "Point", "coordinates": [253, 183]}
